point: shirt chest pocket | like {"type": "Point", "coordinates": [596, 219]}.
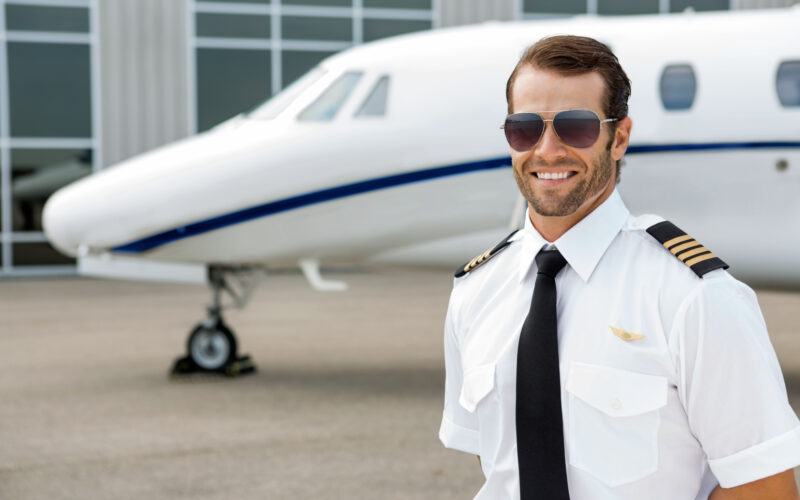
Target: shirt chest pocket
{"type": "Point", "coordinates": [614, 421]}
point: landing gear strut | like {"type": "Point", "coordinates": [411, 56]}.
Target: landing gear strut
{"type": "Point", "coordinates": [211, 346]}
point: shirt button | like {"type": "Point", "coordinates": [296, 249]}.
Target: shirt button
{"type": "Point", "coordinates": [616, 404]}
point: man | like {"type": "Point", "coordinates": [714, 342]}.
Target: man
{"type": "Point", "coordinates": [584, 360]}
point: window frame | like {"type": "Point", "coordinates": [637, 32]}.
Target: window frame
{"type": "Point", "coordinates": [358, 13]}
{"type": "Point", "coordinates": [8, 237]}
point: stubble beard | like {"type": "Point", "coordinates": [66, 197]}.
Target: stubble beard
{"type": "Point", "coordinates": [550, 206]}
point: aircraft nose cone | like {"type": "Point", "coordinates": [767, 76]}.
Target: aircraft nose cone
{"type": "Point", "coordinates": [56, 222]}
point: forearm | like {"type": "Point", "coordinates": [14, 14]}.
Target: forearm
{"type": "Point", "coordinates": [781, 486]}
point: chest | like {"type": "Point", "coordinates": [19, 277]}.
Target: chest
{"type": "Point", "coordinates": [612, 320]}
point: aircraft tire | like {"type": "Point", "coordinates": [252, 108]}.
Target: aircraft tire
{"type": "Point", "coordinates": [211, 348]}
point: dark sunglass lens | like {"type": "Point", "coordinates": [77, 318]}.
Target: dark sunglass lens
{"type": "Point", "coordinates": [523, 130]}
{"type": "Point", "coordinates": [578, 128]}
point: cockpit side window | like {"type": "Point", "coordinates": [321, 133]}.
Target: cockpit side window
{"type": "Point", "coordinates": [788, 83]}
{"type": "Point", "coordinates": [375, 103]}
{"type": "Point", "coordinates": [325, 107]}
{"type": "Point", "coordinates": [678, 87]}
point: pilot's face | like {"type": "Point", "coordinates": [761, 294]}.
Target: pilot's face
{"type": "Point", "coordinates": [586, 175]}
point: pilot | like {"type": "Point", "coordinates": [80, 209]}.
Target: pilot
{"type": "Point", "coordinates": [594, 354]}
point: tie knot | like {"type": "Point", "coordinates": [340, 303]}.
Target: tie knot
{"type": "Point", "coordinates": [550, 262]}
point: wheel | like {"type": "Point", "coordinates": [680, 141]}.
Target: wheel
{"type": "Point", "coordinates": [211, 348]}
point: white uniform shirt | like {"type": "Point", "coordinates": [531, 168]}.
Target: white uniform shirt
{"type": "Point", "coordinates": [698, 401]}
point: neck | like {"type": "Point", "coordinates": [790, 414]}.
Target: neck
{"type": "Point", "coordinates": [552, 228]}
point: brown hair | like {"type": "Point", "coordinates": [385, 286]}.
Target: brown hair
{"type": "Point", "coordinates": [576, 55]}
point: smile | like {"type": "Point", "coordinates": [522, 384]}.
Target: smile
{"type": "Point", "coordinates": [553, 175]}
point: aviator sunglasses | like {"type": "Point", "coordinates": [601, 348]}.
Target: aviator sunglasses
{"type": "Point", "coordinates": [577, 128]}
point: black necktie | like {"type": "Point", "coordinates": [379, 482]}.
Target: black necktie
{"type": "Point", "coordinates": [540, 431]}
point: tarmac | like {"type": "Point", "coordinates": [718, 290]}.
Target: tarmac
{"type": "Point", "coordinates": [346, 401]}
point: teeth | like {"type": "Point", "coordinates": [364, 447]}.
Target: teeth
{"type": "Point", "coordinates": [556, 175]}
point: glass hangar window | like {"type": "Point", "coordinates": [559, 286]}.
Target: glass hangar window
{"type": "Point", "coordinates": [245, 51]}
{"type": "Point", "coordinates": [787, 81]}
{"type": "Point", "coordinates": [47, 122]}
{"type": "Point", "coordinates": [626, 7]}
{"type": "Point", "coordinates": [678, 87]}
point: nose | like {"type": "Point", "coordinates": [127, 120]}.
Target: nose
{"type": "Point", "coordinates": [549, 146]}
{"type": "Point", "coordinates": [58, 222]}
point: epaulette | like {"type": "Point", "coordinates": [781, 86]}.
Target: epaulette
{"type": "Point", "coordinates": [685, 248]}
{"type": "Point", "coordinates": [484, 257]}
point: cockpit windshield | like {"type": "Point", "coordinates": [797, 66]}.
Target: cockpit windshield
{"type": "Point", "coordinates": [328, 103]}
{"type": "Point", "coordinates": [275, 105]}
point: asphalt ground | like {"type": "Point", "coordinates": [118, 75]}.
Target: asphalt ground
{"type": "Point", "coordinates": [346, 401]}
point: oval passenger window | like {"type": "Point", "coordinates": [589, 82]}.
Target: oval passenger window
{"type": "Point", "coordinates": [788, 83]}
{"type": "Point", "coordinates": [678, 87]}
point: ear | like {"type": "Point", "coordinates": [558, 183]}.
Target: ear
{"type": "Point", "coordinates": [622, 137]}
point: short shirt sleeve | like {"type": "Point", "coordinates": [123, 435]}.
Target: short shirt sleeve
{"type": "Point", "coordinates": [731, 384]}
{"type": "Point", "coordinates": [459, 428]}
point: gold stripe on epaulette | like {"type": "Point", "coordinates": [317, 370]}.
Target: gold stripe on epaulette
{"type": "Point", "coordinates": [685, 248]}
{"type": "Point", "coordinates": [685, 255]}
{"type": "Point", "coordinates": [678, 249]}
{"type": "Point", "coordinates": [676, 240]}
{"type": "Point", "coordinates": [701, 258]}
{"type": "Point", "coordinates": [477, 260]}
{"type": "Point", "coordinates": [482, 258]}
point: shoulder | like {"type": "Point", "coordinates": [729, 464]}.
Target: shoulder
{"type": "Point", "coordinates": [479, 279]}
{"type": "Point", "coordinates": [653, 271]}
{"type": "Point", "coordinates": [485, 256]}
{"type": "Point", "coordinates": [660, 243]}
{"type": "Point", "coordinates": [685, 248]}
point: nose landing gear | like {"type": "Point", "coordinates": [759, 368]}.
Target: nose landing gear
{"type": "Point", "coordinates": [211, 346]}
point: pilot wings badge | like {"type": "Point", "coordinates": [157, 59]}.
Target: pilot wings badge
{"type": "Point", "coordinates": [626, 335]}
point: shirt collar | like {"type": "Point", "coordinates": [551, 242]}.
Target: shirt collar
{"type": "Point", "coordinates": [585, 242]}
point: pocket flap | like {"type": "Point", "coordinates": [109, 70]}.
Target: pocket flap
{"type": "Point", "coordinates": [477, 383]}
{"type": "Point", "coordinates": [615, 392]}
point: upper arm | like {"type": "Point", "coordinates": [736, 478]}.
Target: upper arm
{"type": "Point", "coordinates": [459, 429]}
{"type": "Point", "coordinates": [731, 385]}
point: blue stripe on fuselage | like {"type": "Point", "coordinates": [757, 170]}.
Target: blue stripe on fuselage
{"type": "Point", "coordinates": [391, 181]}
{"type": "Point", "coordinates": [307, 199]}
{"type": "Point", "coordinates": [710, 146]}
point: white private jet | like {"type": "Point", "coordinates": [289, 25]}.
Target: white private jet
{"type": "Point", "coordinates": [391, 152]}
